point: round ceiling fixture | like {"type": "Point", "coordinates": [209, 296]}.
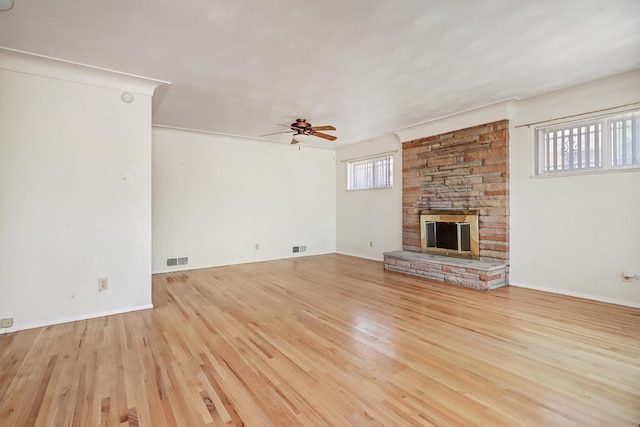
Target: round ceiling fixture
{"type": "Point", "coordinates": [127, 97]}
{"type": "Point", "coordinates": [6, 5]}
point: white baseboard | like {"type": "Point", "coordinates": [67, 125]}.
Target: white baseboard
{"type": "Point", "coordinates": [200, 267]}
{"type": "Point", "coordinates": [577, 294]}
{"type": "Point", "coordinates": [75, 318]}
{"type": "Point", "coordinates": [361, 256]}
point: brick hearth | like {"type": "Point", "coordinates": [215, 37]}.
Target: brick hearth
{"type": "Point", "coordinates": [467, 169]}
{"type": "Point", "coordinates": [480, 275]}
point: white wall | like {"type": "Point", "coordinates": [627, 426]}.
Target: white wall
{"type": "Point", "coordinates": [75, 191]}
{"type": "Point", "coordinates": [372, 216]}
{"type": "Point", "coordinates": [215, 197]}
{"type": "Point", "coordinates": [559, 241]}
{"type": "Point", "coordinates": [574, 234]}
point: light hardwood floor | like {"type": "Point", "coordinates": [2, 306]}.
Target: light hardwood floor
{"type": "Point", "coordinates": [328, 340]}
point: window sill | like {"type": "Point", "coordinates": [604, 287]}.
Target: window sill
{"type": "Point", "coordinates": [369, 189]}
{"type": "Point", "coordinates": [592, 172]}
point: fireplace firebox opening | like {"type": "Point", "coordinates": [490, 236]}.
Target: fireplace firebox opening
{"type": "Point", "coordinates": [450, 233]}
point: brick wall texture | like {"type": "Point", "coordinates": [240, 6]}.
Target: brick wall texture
{"type": "Point", "coordinates": [464, 169]}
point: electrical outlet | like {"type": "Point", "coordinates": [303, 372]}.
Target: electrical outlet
{"type": "Point", "coordinates": [371, 243]}
{"type": "Point", "coordinates": [6, 323]}
{"type": "Point", "coordinates": [103, 284]}
{"type": "Point", "coordinates": [628, 276]}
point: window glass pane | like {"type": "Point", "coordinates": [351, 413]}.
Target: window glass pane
{"type": "Point", "coordinates": [570, 147]}
{"type": "Point", "coordinates": [625, 140]}
{"type": "Point", "coordinates": [611, 142]}
{"type": "Point", "coordinates": [370, 173]}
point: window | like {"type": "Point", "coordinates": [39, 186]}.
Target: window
{"type": "Point", "coordinates": [370, 173]}
{"type": "Point", "coordinates": [608, 143]}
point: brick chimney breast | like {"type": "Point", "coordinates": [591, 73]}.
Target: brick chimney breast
{"type": "Point", "coordinates": [467, 169]}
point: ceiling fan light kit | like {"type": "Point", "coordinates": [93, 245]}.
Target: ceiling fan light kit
{"type": "Point", "coordinates": [299, 137]}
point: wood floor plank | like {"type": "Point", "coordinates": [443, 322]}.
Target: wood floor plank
{"type": "Point", "coordinates": [328, 340]}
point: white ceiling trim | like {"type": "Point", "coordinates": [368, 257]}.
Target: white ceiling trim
{"type": "Point", "coordinates": [45, 66]}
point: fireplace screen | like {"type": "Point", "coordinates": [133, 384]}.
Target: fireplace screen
{"type": "Point", "coordinates": [448, 235]}
{"type": "Point", "coordinates": [451, 233]}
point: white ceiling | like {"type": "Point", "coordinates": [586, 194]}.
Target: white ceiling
{"type": "Point", "coordinates": [367, 67]}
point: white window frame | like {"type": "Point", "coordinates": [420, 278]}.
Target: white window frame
{"type": "Point", "coordinates": [593, 145]}
{"type": "Point", "coordinates": [369, 173]}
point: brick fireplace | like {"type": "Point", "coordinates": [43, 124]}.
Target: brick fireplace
{"type": "Point", "coordinates": [463, 170]}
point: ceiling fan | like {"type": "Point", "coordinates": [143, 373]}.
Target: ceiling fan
{"type": "Point", "coordinates": [302, 130]}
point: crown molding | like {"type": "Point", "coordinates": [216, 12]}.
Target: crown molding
{"type": "Point", "coordinates": [45, 66]}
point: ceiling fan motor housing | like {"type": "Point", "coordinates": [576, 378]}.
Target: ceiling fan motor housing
{"type": "Point", "coordinates": [301, 126]}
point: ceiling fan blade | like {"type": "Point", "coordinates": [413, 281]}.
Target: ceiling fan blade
{"type": "Point", "coordinates": [323, 128]}
{"type": "Point", "coordinates": [324, 135]}
{"type": "Point", "coordinates": [275, 133]}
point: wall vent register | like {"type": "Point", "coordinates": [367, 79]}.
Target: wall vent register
{"type": "Point", "coordinates": [173, 262]}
